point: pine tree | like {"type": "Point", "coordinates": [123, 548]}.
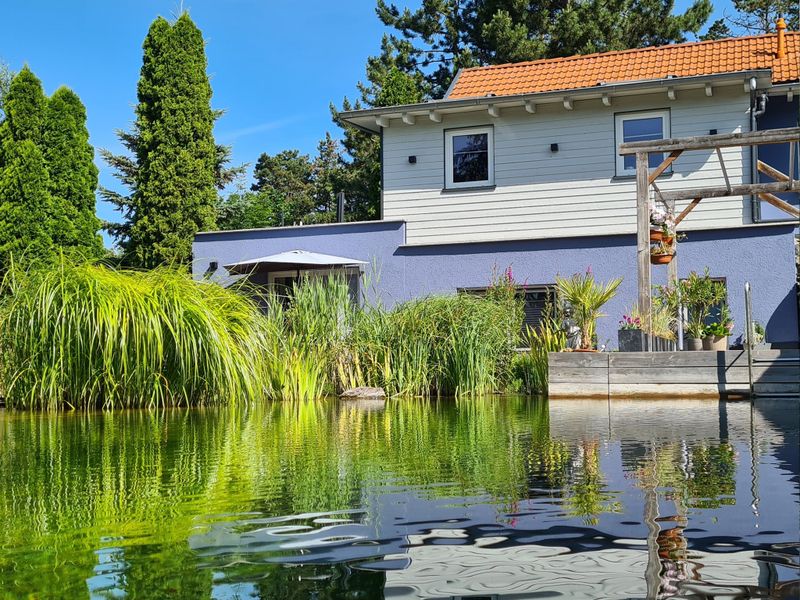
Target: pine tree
{"type": "Point", "coordinates": [28, 216]}
{"type": "Point", "coordinates": [72, 173]}
{"type": "Point", "coordinates": [286, 179]}
{"type": "Point", "coordinates": [442, 36]}
{"type": "Point", "coordinates": [175, 168]}
{"type": "Point", "coordinates": [388, 84]}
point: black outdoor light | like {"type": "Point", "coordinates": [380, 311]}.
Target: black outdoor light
{"type": "Point", "coordinates": [412, 160]}
{"type": "Point", "coordinates": [712, 132]}
{"type": "Point", "coordinates": [553, 147]}
{"type": "Point", "coordinates": [213, 265]}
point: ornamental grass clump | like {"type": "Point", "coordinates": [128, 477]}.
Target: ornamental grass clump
{"type": "Point", "coordinates": [440, 345]}
{"type": "Point", "coordinates": [586, 296]}
{"type": "Point", "coordinates": [86, 335]}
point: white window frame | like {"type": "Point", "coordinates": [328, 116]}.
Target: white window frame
{"type": "Point", "coordinates": [620, 118]}
{"type": "Point", "coordinates": [449, 134]}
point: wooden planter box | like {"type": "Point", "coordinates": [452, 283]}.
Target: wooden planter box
{"type": "Point", "coordinates": [636, 340]}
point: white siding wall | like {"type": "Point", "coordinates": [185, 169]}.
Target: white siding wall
{"type": "Point", "coordinates": [572, 192]}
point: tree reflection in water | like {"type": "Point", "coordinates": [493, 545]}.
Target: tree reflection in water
{"type": "Point", "coordinates": [290, 500]}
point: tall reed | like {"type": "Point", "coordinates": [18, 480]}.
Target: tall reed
{"type": "Point", "coordinates": [531, 366]}
{"type": "Point", "coordinates": [79, 335]}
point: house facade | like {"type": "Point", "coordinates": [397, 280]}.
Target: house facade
{"type": "Point", "coordinates": [518, 166]}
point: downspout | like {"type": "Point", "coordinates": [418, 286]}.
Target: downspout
{"type": "Point", "coordinates": [758, 106]}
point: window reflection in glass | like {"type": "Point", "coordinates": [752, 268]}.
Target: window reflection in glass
{"type": "Point", "coordinates": [470, 157]}
{"type": "Point", "coordinates": [639, 130]}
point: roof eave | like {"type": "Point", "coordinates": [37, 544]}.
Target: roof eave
{"type": "Point", "coordinates": [365, 119]}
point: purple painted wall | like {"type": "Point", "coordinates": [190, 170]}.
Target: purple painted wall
{"type": "Point", "coordinates": [762, 255]}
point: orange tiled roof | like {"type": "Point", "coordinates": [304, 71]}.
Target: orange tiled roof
{"type": "Point", "coordinates": [681, 60]}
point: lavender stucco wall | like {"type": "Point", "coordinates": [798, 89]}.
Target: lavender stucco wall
{"type": "Point", "coordinates": [762, 255]}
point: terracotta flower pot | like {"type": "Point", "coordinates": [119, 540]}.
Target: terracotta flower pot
{"type": "Point", "coordinates": [661, 259]}
{"type": "Point", "coordinates": [656, 235]}
{"type": "Point", "coordinates": [715, 342]}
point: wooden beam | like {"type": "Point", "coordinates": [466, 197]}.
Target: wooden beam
{"type": "Point", "coordinates": [771, 171]}
{"type": "Point", "coordinates": [530, 106]}
{"type": "Point", "coordinates": [494, 111]}
{"type": "Point", "coordinates": [672, 267]}
{"type": "Point", "coordinates": [724, 170]}
{"type": "Point", "coordinates": [664, 165]}
{"type": "Point", "coordinates": [435, 116]}
{"type": "Point", "coordinates": [687, 210]}
{"type": "Point", "coordinates": [778, 203]}
{"type": "Point", "coordinates": [407, 119]}
{"type": "Point", "coordinates": [643, 233]}
{"type": "Point", "coordinates": [709, 142]}
{"type": "Point", "coordinates": [736, 190]}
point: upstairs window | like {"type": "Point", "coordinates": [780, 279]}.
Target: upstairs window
{"type": "Point", "coordinates": [639, 127]}
{"type": "Point", "coordinates": [469, 157]}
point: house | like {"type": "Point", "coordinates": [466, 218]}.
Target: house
{"type": "Point", "coordinates": [518, 165]}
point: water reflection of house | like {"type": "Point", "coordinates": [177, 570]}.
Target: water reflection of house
{"type": "Point", "coordinates": [481, 570]}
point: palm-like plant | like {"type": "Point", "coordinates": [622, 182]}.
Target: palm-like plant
{"type": "Point", "coordinates": [586, 297]}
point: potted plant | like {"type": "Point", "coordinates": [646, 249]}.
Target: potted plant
{"type": "Point", "coordinates": [716, 334]}
{"type": "Point", "coordinates": [659, 222]}
{"type": "Point", "coordinates": [699, 294]}
{"type": "Point", "coordinates": [662, 252]}
{"type": "Point", "coordinates": [586, 297]}
{"type": "Point", "coordinates": [694, 336]}
{"type": "Point", "coordinates": [630, 335]}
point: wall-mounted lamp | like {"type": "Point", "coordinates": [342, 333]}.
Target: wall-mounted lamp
{"type": "Point", "coordinates": [553, 147]}
{"type": "Point", "coordinates": [412, 160]}
{"type": "Point", "coordinates": [712, 132]}
{"type": "Point", "coordinates": [213, 265]}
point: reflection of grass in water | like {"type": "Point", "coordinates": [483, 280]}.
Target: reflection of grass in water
{"type": "Point", "coordinates": [585, 494]}
{"type": "Point", "coordinates": [698, 476]}
{"type": "Point", "coordinates": [144, 477]}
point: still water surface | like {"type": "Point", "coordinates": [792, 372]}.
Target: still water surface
{"type": "Point", "coordinates": [489, 498]}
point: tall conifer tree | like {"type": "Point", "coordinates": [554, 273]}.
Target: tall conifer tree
{"type": "Point", "coordinates": [73, 174]}
{"type": "Point", "coordinates": [28, 215]}
{"type": "Point", "coordinates": [174, 170]}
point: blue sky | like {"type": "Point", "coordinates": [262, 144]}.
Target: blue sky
{"type": "Point", "coordinates": [275, 64]}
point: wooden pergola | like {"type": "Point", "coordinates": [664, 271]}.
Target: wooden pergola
{"type": "Point", "coordinates": [674, 147]}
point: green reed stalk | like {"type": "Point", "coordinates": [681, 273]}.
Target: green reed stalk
{"type": "Point", "coordinates": [89, 335]}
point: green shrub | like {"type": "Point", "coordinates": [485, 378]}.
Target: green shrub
{"type": "Point", "coordinates": [88, 335]}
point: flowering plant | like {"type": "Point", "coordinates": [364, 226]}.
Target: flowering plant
{"type": "Point", "coordinates": [628, 322]}
{"type": "Point", "coordinates": [662, 248]}
{"type": "Point", "coordinates": [658, 214]}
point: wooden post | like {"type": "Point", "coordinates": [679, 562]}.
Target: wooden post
{"type": "Point", "coordinates": [643, 232]}
{"type": "Point", "coordinates": [672, 268]}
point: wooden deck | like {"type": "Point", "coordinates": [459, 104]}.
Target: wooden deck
{"type": "Point", "coordinates": [646, 375]}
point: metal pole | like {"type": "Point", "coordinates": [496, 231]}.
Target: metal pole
{"type": "Point", "coordinates": [340, 207]}
{"type": "Point", "coordinates": [748, 336]}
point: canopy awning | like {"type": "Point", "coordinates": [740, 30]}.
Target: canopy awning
{"type": "Point", "coordinates": [293, 259]}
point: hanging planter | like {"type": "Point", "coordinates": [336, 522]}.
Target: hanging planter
{"type": "Point", "coordinates": [661, 259]}
{"type": "Point", "coordinates": [656, 235]}
{"type": "Point", "coordinates": [662, 252]}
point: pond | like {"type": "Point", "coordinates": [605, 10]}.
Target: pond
{"type": "Point", "coordinates": [481, 498]}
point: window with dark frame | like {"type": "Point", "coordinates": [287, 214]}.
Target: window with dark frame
{"type": "Point", "coordinates": [469, 160]}
{"type": "Point", "coordinates": [537, 299]}
{"type": "Point", "coordinates": [638, 127]}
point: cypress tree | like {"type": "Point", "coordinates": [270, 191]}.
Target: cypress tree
{"type": "Point", "coordinates": [28, 215]}
{"type": "Point", "coordinates": [25, 206]}
{"type": "Point", "coordinates": [73, 174]}
{"type": "Point", "coordinates": [175, 168]}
